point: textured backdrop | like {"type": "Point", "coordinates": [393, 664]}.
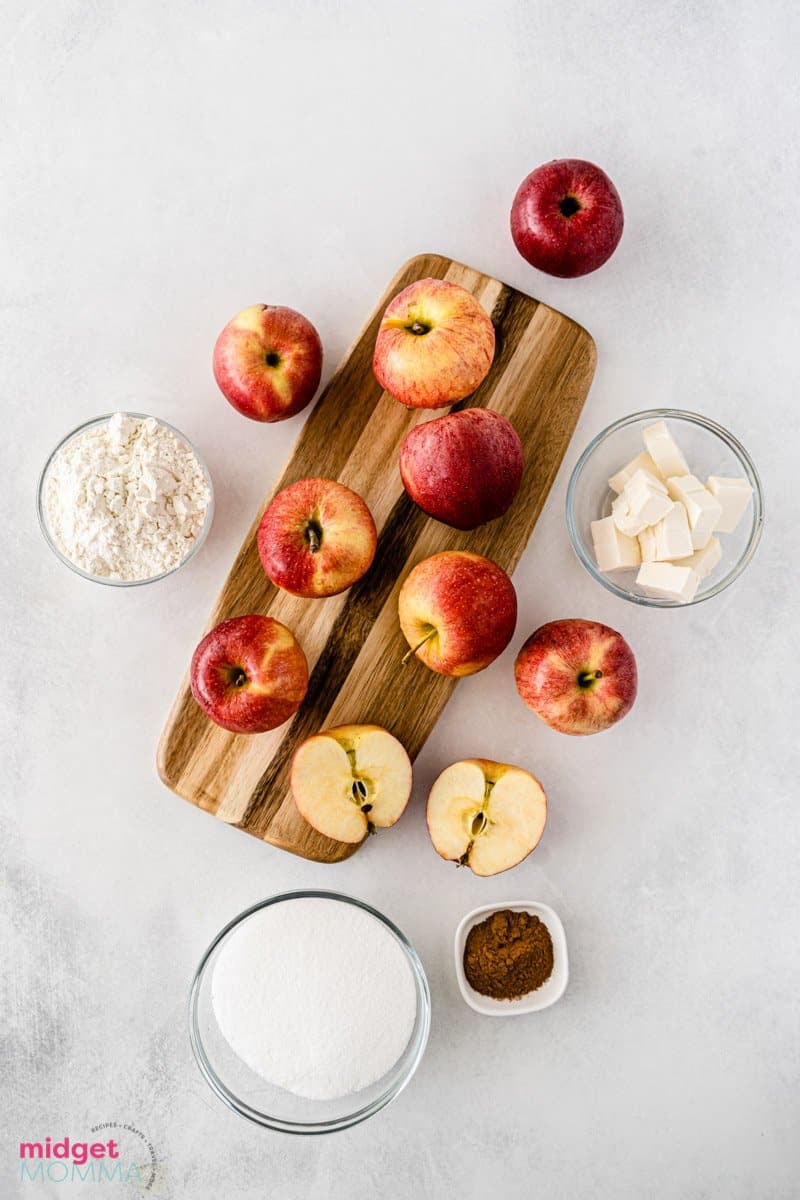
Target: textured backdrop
{"type": "Point", "coordinates": [164, 165]}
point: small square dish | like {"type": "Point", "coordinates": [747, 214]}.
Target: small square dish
{"type": "Point", "coordinates": [551, 990]}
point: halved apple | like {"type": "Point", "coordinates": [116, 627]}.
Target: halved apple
{"type": "Point", "coordinates": [351, 780]}
{"type": "Point", "coordinates": [485, 815]}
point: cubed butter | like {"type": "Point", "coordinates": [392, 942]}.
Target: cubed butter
{"type": "Point", "coordinates": [702, 509]}
{"type": "Point", "coordinates": [646, 497]}
{"type": "Point", "coordinates": [668, 581]}
{"type": "Point", "coordinates": [626, 523]}
{"type": "Point", "coordinates": [664, 452]}
{"type": "Point", "coordinates": [642, 462]}
{"type": "Point", "coordinates": [673, 535]}
{"type": "Point", "coordinates": [703, 561]}
{"type": "Point", "coordinates": [679, 486]}
{"type": "Point", "coordinates": [612, 549]}
{"type": "Point", "coordinates": [647, 545]}
{"type": "Point", "coordinates": [734, 496]}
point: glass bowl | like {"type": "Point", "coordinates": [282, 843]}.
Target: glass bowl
{"type": "Point", "coordinates": [271, 1106]}
{"type": "Point", "coordinates": [41, 510]}
{"type": "Point", "coordinates": [709, 450]}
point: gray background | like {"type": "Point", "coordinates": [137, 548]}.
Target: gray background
{"type": "Point", "coordinates": [164, 165]}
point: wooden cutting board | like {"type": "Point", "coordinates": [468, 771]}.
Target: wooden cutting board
{"type": "Point", "coordinates": [540, 377]}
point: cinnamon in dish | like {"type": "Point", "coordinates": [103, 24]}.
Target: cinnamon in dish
{"type": "Point", "coordinates": [508, 955]}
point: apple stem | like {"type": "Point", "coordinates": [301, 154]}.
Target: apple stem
{"type": "Point", "coordinates": [418, 328]}
{"type": "Point", "coordinates": [410, 653]}
{"type": "Point", "coordinates": [313, 536]}
{"type": "Point", "coordinates": [239, 677]}
{"type": "Point", "coordinates": [587, 678]}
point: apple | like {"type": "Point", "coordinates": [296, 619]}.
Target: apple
{"type": "Point", "coordinates": [349, 781]}
{"type": "Point", "coordinates": [485, 815]}
{"type": "Point", "coordinates": [458, 611]}
{"type": "Point", "coordinates": [578, 676]}
{"type": "Point", "coordinates": [435, 345]}
{"type": "Point", "coordinates": [567, 218]}
{"type": "Point", "coordinates": [249, 674]}
{"type": "Point", "coordinates": [268, 362]}
{"type": "Point", "coordinates": [464, 468]}
{"type": "Point", "coordinates": [316, 538]}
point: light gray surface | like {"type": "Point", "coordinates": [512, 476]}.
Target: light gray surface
{"type": "Point", "coordinates": [164, 165]}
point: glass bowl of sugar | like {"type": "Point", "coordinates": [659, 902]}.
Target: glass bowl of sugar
{"type": "Point", "coordinates": [125, 499]}
{"type": "Point", "coordinates": [695, 477]}
{"type": "Point", "coordinates": [309, 1012]}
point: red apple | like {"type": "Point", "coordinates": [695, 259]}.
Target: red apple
{"type": "Point", "coordinates": [268, 362]}
{"type": "Point", "coordinates": [249, 674]}
{"type": "Point", "coordinates": [316, 538]}
{"type": "Point", "coordinates": [458, 611]}
{"type": "Point", "coordinates": [578, 676]}
{"type": "Point", "coordinates": [464, 468]}
{"type": "Point", "coordinates": [486, 815]}
{"type": "Point", "coordinates": [351, 780]}
{"type": "Point", "coordinates": [567, 218]}
{"type": "Point", "coordinates": [435, 345]}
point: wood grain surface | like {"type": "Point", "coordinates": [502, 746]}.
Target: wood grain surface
{"type": "Point", "coordinates": [540, 377]}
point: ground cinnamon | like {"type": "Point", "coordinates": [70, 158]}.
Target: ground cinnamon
{"type": "Point", "coordinates": [508, 955]}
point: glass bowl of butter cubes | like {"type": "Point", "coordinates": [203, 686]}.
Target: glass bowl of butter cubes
{"type": "Point", "coordinates": [665, 508]}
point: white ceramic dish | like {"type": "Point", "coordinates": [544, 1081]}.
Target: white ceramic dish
{"type": "Point", "coordinates": [550, 991]}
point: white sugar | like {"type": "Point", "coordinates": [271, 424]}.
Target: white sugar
{"type": "Point", "coordinates": [316, 996]}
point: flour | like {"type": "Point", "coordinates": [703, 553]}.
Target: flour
{"type": "Point", "coordinates": [125, 499]}
{"type": "Point", "coordinates": [316, 996]}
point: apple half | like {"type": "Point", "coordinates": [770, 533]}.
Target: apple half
{"type": "Point", "coordinates": [351, 780]}
{"type": "Point", "coordinates": [485, 815]}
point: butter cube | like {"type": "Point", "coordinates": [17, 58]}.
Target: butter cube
{"type": "Point", "coordinates": [642, 461]}
{"type": "Point", "coordinates": [668, 580]}
{"type": "Point", "coordinates": [679, 486]}
{"type": "Point", "coordinates": [629, 525]}
{"type": "Point", "coordinates": [703, 561]}
{"type": "Point", "coordinates": [647, 545]}
{"type": "Point", "coordinates": [612, 549]}
{"type": "Point", "coordinates": [646, 497]}
{"type": "Point", "coordinates": [673, 535]}
{"type": "Point", "coordinates": [734, 495]}
{"type": "Point", "coordinates": [703, 510]}
{"type": "Point", "coordinates": [663, 450]}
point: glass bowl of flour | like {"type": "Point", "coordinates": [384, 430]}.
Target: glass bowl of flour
{"type": "Point", "coordinates": [309, 1012]}
{"type": "Point", "coordinates": [125, 499]}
